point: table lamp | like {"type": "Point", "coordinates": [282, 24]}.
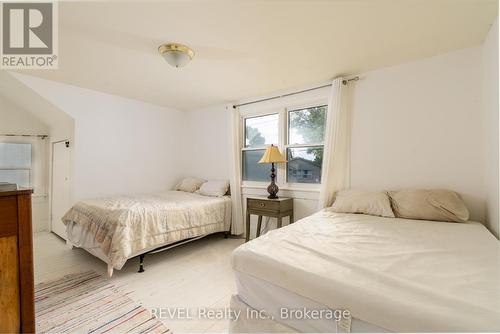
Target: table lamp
{"type": "Point", "coordinates": [272, 156]}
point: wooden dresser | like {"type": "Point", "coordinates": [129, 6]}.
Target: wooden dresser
{"type": "Point", "coordinates": [17, 302]}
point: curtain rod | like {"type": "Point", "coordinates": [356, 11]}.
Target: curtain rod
{"type": "Point", "coordinates": [13, 135]}
{"type": "Point", "coordinates": [345, 82]}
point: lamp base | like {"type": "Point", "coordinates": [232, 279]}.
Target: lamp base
{"type": "Point", "coordinates": [273, 196]}
{"type": "Point", "coordinates": [273, 189]}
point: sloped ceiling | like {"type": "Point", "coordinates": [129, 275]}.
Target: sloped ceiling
{"type": "Point", "coordinates": [250, 48]}
{"type": "Point", "coordinates": [17, 93]}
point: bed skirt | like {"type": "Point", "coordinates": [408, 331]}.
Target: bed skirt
{"type": "Point", "coordinates": [250, 320]}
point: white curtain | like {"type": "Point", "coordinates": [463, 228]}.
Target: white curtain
{"type": "Point", "coordinates": [336, 157]}
{"type": "Point", "coordinates": [234, 137]}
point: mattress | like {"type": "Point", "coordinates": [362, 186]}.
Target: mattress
{"type": "Point", "coordinates": [396, 274]}
{"type": "Point", "coordinates": [120, 227]}
{"type": "Point", "coordinates": [276, 301]}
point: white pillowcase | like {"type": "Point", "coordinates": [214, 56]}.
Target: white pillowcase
{"type": "Point", "coordinates": [375, 203]}
{"type": "Point", "coordinates": [190, 184]}
{"type": "Point", "coordinates": [214, 188]}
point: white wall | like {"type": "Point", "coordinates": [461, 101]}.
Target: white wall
{"type": "Point", "coordinates": [16, 120]}
{"type": "Point", "coordinates": [491, 109]}
{"type": "Point", "coordinates": [207, 144]}
{"type": "Point", "coordinates": [420, 125]}
{"type": "Point", "coordinates": [120, 145]}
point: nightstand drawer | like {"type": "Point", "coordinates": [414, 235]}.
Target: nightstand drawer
{"type": "Point", "coordinates": [258, 204]}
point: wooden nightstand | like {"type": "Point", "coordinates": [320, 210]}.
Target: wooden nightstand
{"type": "Point", "coordinates": [263, 206]}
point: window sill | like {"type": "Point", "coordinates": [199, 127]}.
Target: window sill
{"type": "Point", "coordinates": [282, 187]}
{"type": "Point", "coordinates": [310, 192]}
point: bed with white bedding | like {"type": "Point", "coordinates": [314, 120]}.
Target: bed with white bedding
{"type": "Point", "coordinates": [392, 274]}
{"type": "Point", "coordinates": [118, 228]}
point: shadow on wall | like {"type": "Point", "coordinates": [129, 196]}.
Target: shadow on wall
{"type": "Point", "coordinates": [477, 208]}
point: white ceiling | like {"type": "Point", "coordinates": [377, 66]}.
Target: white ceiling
{"type": "Point", "coordinates": [249, 48]}
{"type": "Point", "coordinates": [24, 98]}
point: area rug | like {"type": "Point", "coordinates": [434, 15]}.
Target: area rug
{"type": "Point", "coordinates": [89, 303]}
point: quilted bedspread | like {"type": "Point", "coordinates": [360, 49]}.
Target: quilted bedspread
{"type": "Point", "coordinates": [123, 226]}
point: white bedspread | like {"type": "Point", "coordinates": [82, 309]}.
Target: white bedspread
{"type": "Point", "coordinates": [123, 226]}
{"type": "Point", "coordinates": [402, 275]}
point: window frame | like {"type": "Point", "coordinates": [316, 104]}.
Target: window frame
{"type": "Point", "coordinates": [31, 169]}
{"type": "Point", "coordinates": [254, 148]}
{"type": "Point", "coordinates": [288, 145]}
{"type": "Point", "coordinates": [283, 136]}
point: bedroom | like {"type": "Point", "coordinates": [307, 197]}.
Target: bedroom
{"type": "Point", "coordinates": [116, 126]}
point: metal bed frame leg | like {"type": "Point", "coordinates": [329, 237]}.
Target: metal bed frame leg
{"type": "Point", "coordinates": [141, 263]}
{"type": "Point", "coordinates": [226, 235]}
{"type": "Point", "coordinates": [160, 249]}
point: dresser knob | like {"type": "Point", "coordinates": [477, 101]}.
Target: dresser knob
{"type": "Point", "coordinates": [261, 204]}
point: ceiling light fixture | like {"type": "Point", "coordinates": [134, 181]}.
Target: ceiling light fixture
{"type": "Point", "coordinates": [175, 54]}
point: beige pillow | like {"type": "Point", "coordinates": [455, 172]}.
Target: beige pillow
{"type": "Point", "coordinates": [437, 204]}
{"type": "Point", "coordinates": [214, 188]}
{"type": "Point", "coordinates": [190, 184]}
{"type": "Point", "coordinates": [375, 203]}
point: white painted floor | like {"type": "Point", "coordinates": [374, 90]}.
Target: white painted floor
{"type": "Point", "coordinates": [189, 277]}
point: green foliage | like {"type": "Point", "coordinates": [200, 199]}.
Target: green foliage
{"type": "Point", "coordinates": [310, 124]}
{"type": "Point", "coordinates": [254, 137]}
{"type": "Point", "coordinates": [318, 155]}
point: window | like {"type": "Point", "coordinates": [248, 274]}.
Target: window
{"type": "Point", "coordinates": [15, 164]}
{"type": "Point", "coordinates": [306, 132]}
{"type": "Point", "coordinates": [299, 133]}
{"type": "Point", "coordinates": [260, 132]}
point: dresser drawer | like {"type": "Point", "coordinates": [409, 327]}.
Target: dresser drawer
{"type": "Point", "coordinates": [258, 204]}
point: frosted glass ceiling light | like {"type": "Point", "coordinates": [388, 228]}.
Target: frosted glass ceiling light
{"type": "Point", "coordinates": [175, 54]}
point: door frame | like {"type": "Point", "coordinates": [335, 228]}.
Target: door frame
{"type": "Point", "coordinates": [68, 142]}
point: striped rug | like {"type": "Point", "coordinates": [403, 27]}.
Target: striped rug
{"type": "Point", "coordinates": [89, 303]}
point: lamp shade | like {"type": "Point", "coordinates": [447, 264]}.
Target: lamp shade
{"type": "Point", "coordinates": [272, 155]}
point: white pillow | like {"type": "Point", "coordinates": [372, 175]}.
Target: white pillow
{"type": "Point", "coordinates": [214, 188]}
{"type": "Point", "coordinates": [190, 184]}
{"type": "Point", "coordinates": [375, 203]}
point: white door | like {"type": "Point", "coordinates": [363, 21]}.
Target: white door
{"type": "Point", "coordinates": [60, 186]}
